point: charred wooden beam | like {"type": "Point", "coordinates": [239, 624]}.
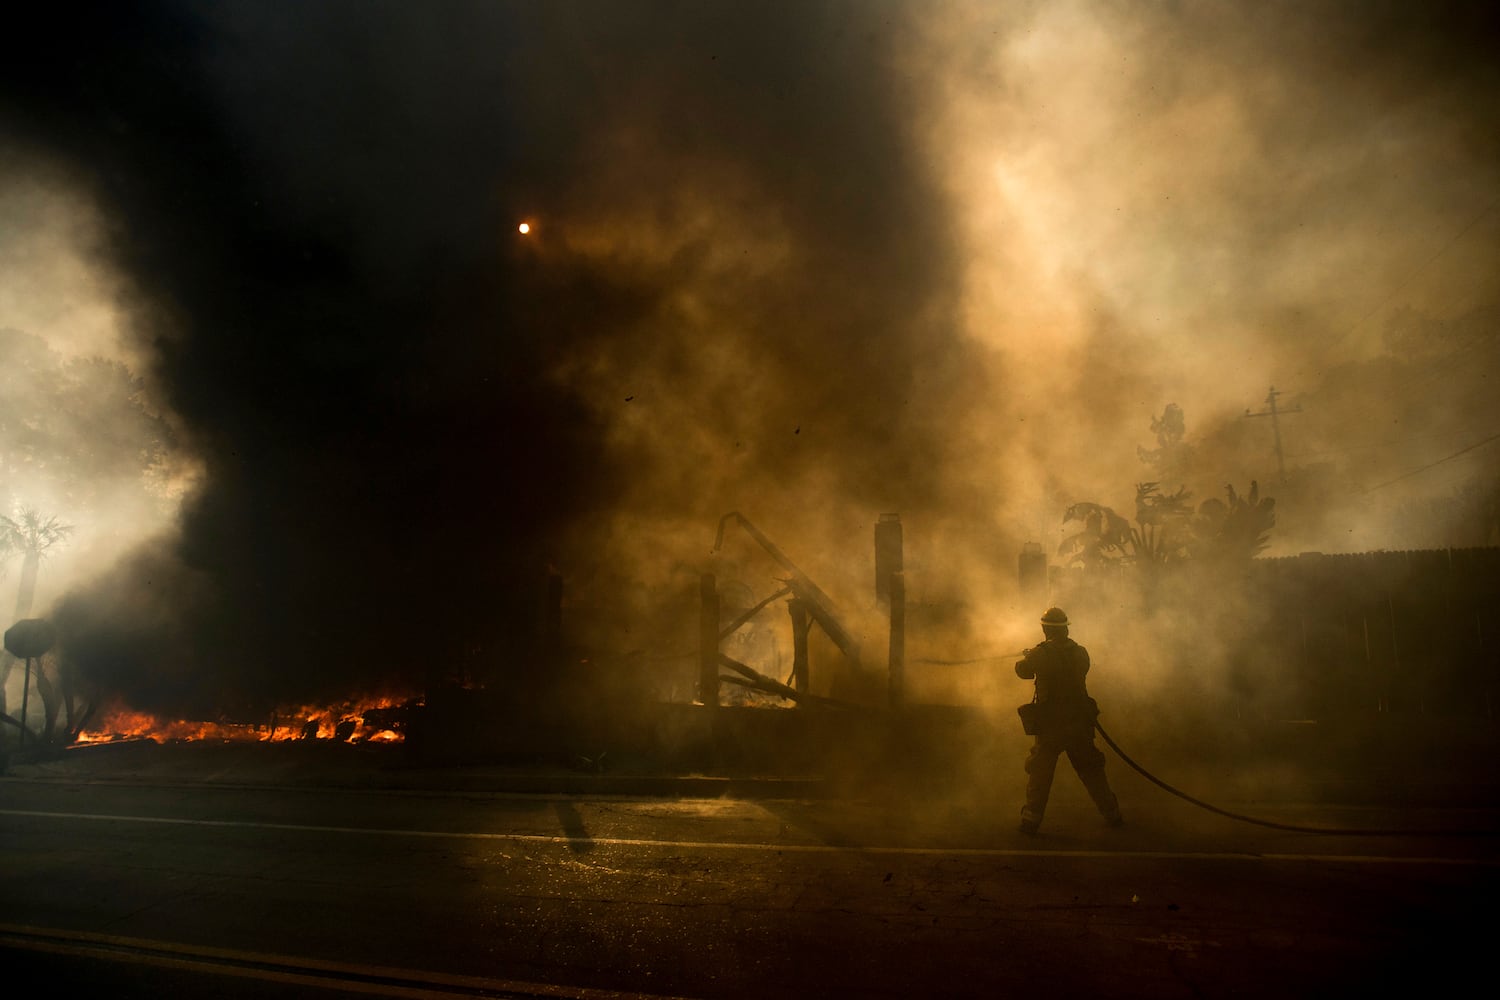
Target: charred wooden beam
{"type": "Point", "coordinates": [732, 627]}
{"type": "Point", "coordinates": [752, 678]}
{"type": "Point", "coordinates": [819, 604]}
{"type": "Point", "coordinates": [756, 685]}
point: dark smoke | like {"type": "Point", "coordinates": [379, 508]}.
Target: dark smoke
{"type": "Point", "coordinates": [315, 210]}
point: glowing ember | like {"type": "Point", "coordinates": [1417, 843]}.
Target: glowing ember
{"type": "Point", "coordinates": [524, 228]}
{"type": "Point", "coordinates": [369, 720]}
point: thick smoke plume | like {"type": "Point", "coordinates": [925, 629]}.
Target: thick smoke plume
{"type": "Point", "coordinates": [808, 261]}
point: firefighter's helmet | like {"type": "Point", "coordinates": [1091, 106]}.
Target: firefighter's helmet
{"type": "Point", "coordinates": [1055, 616]}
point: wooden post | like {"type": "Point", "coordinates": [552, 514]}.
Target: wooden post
{"type": "Point", "coordinates": [888, 555]}
{"type": "Point", "coordinates": [898, 640]}
{"type": "Point", "coordinates": [708, 641]}
{"type": "Point", "coordinates": [801, 623]}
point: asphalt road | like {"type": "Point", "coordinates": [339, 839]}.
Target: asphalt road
{"type": "Point", "coordinates": [156, 886]}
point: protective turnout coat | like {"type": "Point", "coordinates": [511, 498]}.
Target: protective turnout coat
{"type": "Point", "coordinates": [1063, 706]}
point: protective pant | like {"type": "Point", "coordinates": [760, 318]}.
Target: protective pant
{"type": "Point", "coordinates": [1087, 760]}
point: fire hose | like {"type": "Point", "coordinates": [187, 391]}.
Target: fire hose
{"type": "Point", "coordinates": [1293, 827]}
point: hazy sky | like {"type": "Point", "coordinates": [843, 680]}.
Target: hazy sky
{"type": "Point", "coordinates": [813, 261]}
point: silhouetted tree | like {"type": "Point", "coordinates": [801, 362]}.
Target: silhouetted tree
{"type": "Point", "coordinates": [1171, 455]}
{"type": "Point", "coordinates": [31, 535]}
{"type": "Point", "coordinates": [1167, 530]}
{"type": "Point", "coordinates": [1159, 536]}
{"type": "Point", "coordinates": [74, 431]}
{"type": "Point", "coordinates": [1235, 531]}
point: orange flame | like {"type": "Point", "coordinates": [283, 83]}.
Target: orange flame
{"type": "Point", "coordinates": [375, 719]}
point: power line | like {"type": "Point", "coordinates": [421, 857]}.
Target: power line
{"type": "Point", "coordinates": [1430, 465]}
{"type": "Point", "coordinates": [1371, 446]}
{"type": "Point", "coordinates": [1439, 369]}
{"type": "Point", "coordinates": [1419, 269]}
{"type": "Point", "coordinates": [1422, 379]}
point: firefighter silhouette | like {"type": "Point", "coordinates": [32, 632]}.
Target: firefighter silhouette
{"type": "Point", "coordinates": [1061, 717]}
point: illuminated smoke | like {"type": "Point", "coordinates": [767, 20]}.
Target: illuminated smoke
{"type": "Point", "coordinates": [85, 443]}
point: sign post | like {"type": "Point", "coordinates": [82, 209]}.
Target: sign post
{"type": "Point", "coordinates": [28, 639]}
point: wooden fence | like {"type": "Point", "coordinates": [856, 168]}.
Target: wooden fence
{"type": "Point", "coordinates": [1379, 632]}
{"type": "Point", "coordinates": [1329, 637]}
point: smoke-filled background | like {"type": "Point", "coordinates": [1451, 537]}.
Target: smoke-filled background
{"type": "Point", "coordinates": [808, 261]}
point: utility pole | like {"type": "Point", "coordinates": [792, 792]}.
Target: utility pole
{"type": "Point", "coordinates": [1274, 413]}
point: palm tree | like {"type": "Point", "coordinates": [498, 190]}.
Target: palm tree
{"type": "Point", "coordinates": [1237, 531]}
{"type": "Point", "coordinates": [30, 534]}
{"type": "Point", "coordinates": [1156, 538]}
